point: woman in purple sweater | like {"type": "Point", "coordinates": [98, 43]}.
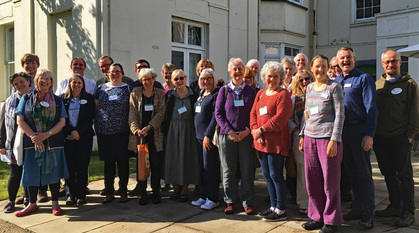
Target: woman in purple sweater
{"type": "Point", "coordinates": [232, 112]}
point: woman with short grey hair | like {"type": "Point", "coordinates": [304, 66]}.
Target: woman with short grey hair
{"type": "Point", "coordinates": [288, 66]}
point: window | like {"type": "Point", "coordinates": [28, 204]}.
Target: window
{"type": "Point", "coordinates": [9, 59]}
{"type": "Point", "coordinates": [366, 9]}
{"type": "Point", "coordinates": [276, 52]}
{"type": "Point", "coordinates": [297, 1]}
{"type": "Point", "coordinates": [188, 46]}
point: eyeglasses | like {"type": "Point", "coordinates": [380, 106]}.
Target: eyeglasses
{"type": "Point", "coordinates": [115, 72]}
{"type": "Point", "coordinates": [177, 79]}
{"type": "Point", "coordinates": [391, 61]}
{"type": "Point", "coordinates": [307, 79]}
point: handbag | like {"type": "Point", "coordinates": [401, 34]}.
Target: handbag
{"type": "Point", "coordinates": [143, 170]}
{"type": "Point", "coordinates": [18, 147]}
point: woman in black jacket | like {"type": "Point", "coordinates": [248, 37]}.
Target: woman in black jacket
{"type": "Point", "coordinates": [80, 106]}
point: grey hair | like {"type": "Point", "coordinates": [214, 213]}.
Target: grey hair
{"type": "Point", "coordinates": [272, 65]}
{"type": "Point", "coordinates": [251, 61]}
{"type": "Point", "coordinates": [288, 60]}
{"type": "Point", "coordinates": [208, 71]}
{"type": "Point", "coordinates": [397, 53]}
{"type": "Point", "coordinates": [295, 58]}
{"type": "Point", "coordinates": [147, 71]}
{"type": "Point", "coordinates": [346, 49]}
{"type": "Point", "coordinates": [233, 60]}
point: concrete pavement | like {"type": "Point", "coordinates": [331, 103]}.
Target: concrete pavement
{"type": "Point", "coordinates": [174, 216]}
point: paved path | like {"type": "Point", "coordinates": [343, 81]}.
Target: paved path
{"type": "Point", "coordinates": [174, 216]}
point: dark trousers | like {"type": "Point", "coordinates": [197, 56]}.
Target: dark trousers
{"type": "Point", "coordinates": [357, 163]}
{"type": "Point", "coordinates": [393, 157]}
{"type": "Point", "coordinates": [77, 154]}
{"type": "Point", "coordinates": [155, 166]}
{"type": "Point", "coordinates": [33, 191]}
{"type": "Point", "coordinates": [14, 181]}
{"type": "Point", "coordinates": [110, 173]}
{"type": "Point", "coordinates": [210, 162]}
{"type": "Point", "coordinates": [345, 184]}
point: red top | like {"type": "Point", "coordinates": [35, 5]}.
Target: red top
{"type": "Point", "coordinates": [276, 111]}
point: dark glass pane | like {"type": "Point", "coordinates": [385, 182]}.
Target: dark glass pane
{"type": "Point", "coordinates": [193, 61]}
{"type": "Point", "coordinates": [404, 68]}
{"type": "Point", "coordinates": [194, 35]}
{"type": "Point", "coordinates": [295, 52]}
{"type": "Point", "coordinates": [360, 14]}
{"type": "Point", "coordinates": [376, 10]}
{"type": "Point", "coordinates": [368, 12]}
{"type": "Point", "coordinates": [11, 44]}
{"type": "Point", "coordinates": [288, 51]}
{"type": "Point", "coordinates": [359, 4]}
{"type": "Point", "coordinates": [177, 59]}
{"type": "Point", "coordinates": [368, 3]}
{"type": "Point", "coordinates": [177, 32]}
{"type": "Point", "coordinates": [376, 2]}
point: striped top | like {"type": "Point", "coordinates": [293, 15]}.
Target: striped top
{"type": "Point", "coordinates": [326, 112]}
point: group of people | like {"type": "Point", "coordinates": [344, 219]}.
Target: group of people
{"type": "Point", "coordinates": [314, 119]}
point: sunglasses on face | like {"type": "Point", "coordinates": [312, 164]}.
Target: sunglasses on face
{"type": "Point", "coordinates": [180, 78]}
{"type": "Point", "coordinates": [307, 79]}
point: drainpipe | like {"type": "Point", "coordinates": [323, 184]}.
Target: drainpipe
{"type": "Point", "coordinates": [32, 25]}
{"type": "Point", "coordinates": [314, 28]}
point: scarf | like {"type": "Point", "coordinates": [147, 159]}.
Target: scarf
{"type": "Point", "coordinates": [44, 114]}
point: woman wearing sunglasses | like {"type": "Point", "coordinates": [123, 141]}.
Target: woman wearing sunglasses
{"type": "Point", "coordinates": [182, 165]}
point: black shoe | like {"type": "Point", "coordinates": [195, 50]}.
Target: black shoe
{"type": "Point", "coordinates": [389, 212]}
{"type": "Point", "coordinates": [184, 198]}
{"type": "Point", "coordinates": [70, 201]}
{"type": "Point", "coordinates": [135, 192]}
{"type": "Point", "coordinates": [265, 213]}
{"type": "Point", "coordinates": [143, 200]}
{"type": "Point", "coordinates": [367, 223]}
{"type": "Point", "coordinates": [312, 225]}
{"type": "Point", "coordinates": [103, 192]}
{"type": "Point", "coordinates": [156, 198]}
{"type": "Point", "coordinates": [328, 229]}
{"type": "Point", "coordinates": [26, 202]}
{"type": "Point", "coordinates": [9, 208]}
{"type": "Point", "coordinates": [405, 220]}
{"type": "Point", "coordinates": [352, 215]}
{"type": "Point", "coordinates": [273, 217]}
{"type": "Point", "coordinates": [175, 196]}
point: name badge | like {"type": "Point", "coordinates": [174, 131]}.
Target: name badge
{"type": "Point", "coordinates": [182, 109]}
{"type": "Point", "coordinates": [324, 95]}
{"type": "Point", "coordinates": [396, 91]}
{"type": "Point", "coordinates": [198, 108]}
{"type": "Point", "coordinates": [263, 111]}
{"type": "Point", "coordinates": [347, 85]}
{"type": "Point", "coordinates": [83, 101]}
{"type": "Point", "coordinates": [314, 109]}
{"type": "Point", "coordinates": [44, 104]}
{"type": "Point", "coordinates": [113, 97]}
{"type": "Point", "coordinates": [148, 107]}
{"type": "Point", "coordinates": [238, 103]}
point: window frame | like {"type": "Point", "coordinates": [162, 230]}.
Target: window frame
{"type": "Point", "coordinates": [281, 52]}
{"type": "Point", "coordinates": [360, 20]}
{"type": "Point", "coordinates": [8, 59]}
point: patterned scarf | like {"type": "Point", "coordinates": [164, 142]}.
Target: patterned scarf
{"type": "Point", "coordinates": [44, 114]}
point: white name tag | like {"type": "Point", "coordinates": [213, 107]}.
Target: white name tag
{"type": "Point", "coordinates": [347, 85]}
{"type": "Point", "coordinates": [113, 97]}
{"type": "Point", "coordinates": [44, 104]}
{"type": "Point", "coordinates": [83, 101]}
{"type": "Point", "coordinates": [238, 103]}
{"type": "Point", "coordinates": [324, 95]}
{"type": "Point", "coordinates": [198, 108]}
{"type": "Point", "coordinates": [314, 109]}
{"type": "Point", "coordinates": [396, 91]}
{"type": "Point", "coordinates": [263, 111]}
{"type": "Point", "coordinates": [182, 109]}
{"type": "Point", "coordinates": [148, 107]}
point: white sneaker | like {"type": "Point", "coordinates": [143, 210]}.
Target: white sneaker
{"type": "Point", "coordinates": [198, 202]}
{"type": "Point", "coordinates": [209, 205]}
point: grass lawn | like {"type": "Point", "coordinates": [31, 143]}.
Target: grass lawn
{"type": "Point", "coordinates": [95, 173]}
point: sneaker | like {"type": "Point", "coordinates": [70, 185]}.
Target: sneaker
{"type": "Point", "coordinates": [274, 216]}
{"type": "Point", "coordinates": [9, 208]}
{"type": "Point", "coordinates": [405, 220]}
{"type": "Point", "coordinates": [266, 212]}
{"type": "Point", "coordinates": [70, 201]}
{"type": "Point", "coordinates": [208, 205]}
{"type": "Point", "coordinates": [367, 223]}
{"type": "Point", "coordinates": [229, 209]}
{"type": "Point", "coordinates": [352, 215]}
{"type": "Point", "coordinates": [198, 202]}
{"type": "Point", "coordinates": [156, 198]}
{"type": "Point", "coordinates": [143, 200]}
{"type": "Point", "coordinates": [389, 212]}
{"type": "Point", "coordinates": [249, 210]}
{"type": "Point", "coordinates": [312, 225]}
{"type": "Point", "coordinates": [328, 229]}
